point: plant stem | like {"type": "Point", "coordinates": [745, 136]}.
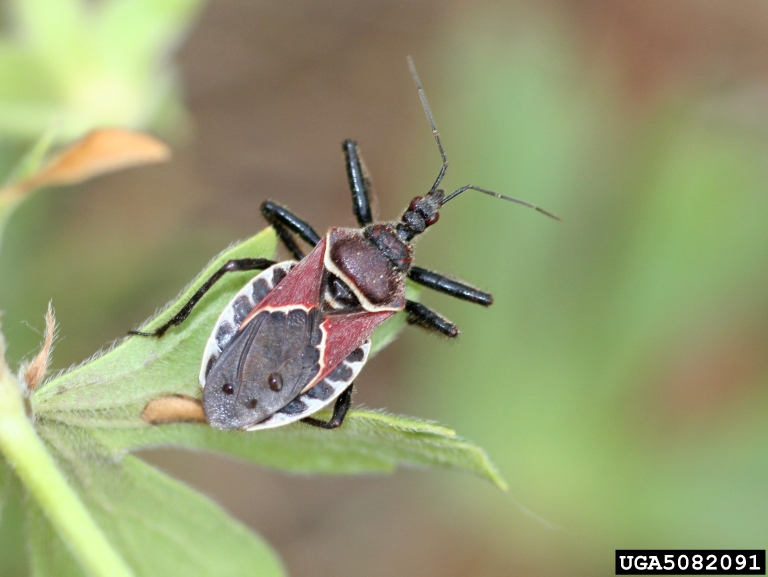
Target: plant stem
{"type": "Point", "coordinates": [27, 455]}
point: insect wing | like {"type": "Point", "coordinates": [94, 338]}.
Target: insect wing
{"type": "Point", "coordinates": [265, 366]}
{"type": "Point", "coordinates": [343, 334]}
{"type": "Point", "coordinates": [320, 395]}
{"type": "Point", "coordinates": [274, 357]}
{"type": "Point", "coordinates": [232, 317]}
{"type": "Point", "coordinates": [302, 286]}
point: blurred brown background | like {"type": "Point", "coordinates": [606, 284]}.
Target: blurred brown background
{"type": "Point", "coordinates": [623, 419]}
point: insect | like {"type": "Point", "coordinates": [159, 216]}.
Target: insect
{"type": "Point", "coordinates": [295, 337]}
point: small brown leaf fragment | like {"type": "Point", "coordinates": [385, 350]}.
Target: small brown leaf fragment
{"type": "Point", "coordinates": [173, 409]}
{"type": "Point", "coordinates": [99, 152]}
{"type": "Point", "coordinates": [34, 371]}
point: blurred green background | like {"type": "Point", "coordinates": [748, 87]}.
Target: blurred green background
{"type": "Point", "coordinates": [618, 381]}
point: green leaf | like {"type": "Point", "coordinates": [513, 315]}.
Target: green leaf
{"type": "Point", "coordinates": [12, 530]}
{"type": "Point", "coordinates": [48, 554]}
{"type": "Point", "coordinates": [164, 527]}
{"type": "Point", "coordinates": [367, 442]}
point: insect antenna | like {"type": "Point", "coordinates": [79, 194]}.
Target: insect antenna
{"type": "Point", "coordinates": [444, 168]}
{"type": "Point", "coordinates": [458, 191]}
{"type": "Point", "coordinates": [431, 120]}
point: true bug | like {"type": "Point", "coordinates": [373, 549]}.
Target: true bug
{"type": "Point", "coordinates": [295, 337]}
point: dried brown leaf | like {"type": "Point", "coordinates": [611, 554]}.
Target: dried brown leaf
{"type": "Point", "coordinates": [100, 152]}
{"type": "Point", "coordinates": [34, 372]}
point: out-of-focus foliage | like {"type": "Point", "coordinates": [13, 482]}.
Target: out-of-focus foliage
{"type": "Point", "coordinates": [73, 65]}
{"type": "Point", "coordinates": [68, 67]}
{"type": "Point", "coordinates": [621, 376]}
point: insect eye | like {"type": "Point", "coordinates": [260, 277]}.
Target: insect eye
{"type": "Point", "coordinates": [228, 389]}
{"type": "Point", "coordinates": [414, 203]}
{"type": "Point", "coordinates": [432, 219]}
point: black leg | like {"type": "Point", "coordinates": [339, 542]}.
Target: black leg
{"type": "Point", "coordinates": [286, 223]}
{"type": "Point", "coordinates": [423, 316]}
{"type": "Point", "coordinates": [454, 288]}
{"type": "Point", "coordinates": [359, 183]}
{"type": "Point", "coordinates": [242, 264]}
{"type": "Point", "coordinates": [340, 409]}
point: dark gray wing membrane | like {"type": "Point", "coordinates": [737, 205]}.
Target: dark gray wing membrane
{"type": "Point", "coordinates": [231, 318]}
{"type": "Point", "coordinates": [321, 394]}
{"type": "Point", "coordinates": [263, 368]}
